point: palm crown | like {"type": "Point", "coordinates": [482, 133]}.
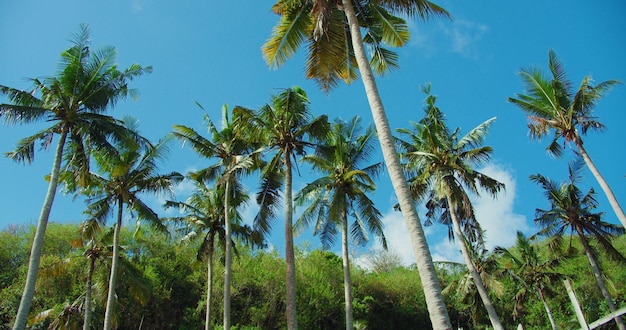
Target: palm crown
{"type": "Point", "coordinates": [441, 164]}
{"type": "Point", "coordinates": [552, 104]}
{"type": "Point", "coordinates": [321, 25]}
{"type": "Point", "coordinates": [344, 187]}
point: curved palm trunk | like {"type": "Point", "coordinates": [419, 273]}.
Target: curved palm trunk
{"type": "Point", "coordinates": [480, 286]}
{"type": "Point", "coordinates": [115, 265]}
{"type": "Point", "coordinates": [347, 280]}
{"type": "Point", "coordinates": [432, 289]}
{"type": "Point", "coordinates": [227, 256]}
{"type": "Point", "coordinates": [88, 285]}
{"type": "Point", "coordinates": [598, 274]}
{"type": "Point", "coordinates": [548, 310]}
{"type": "Point", "coordinates": [290, 260]}
{"type": "Point", "coordinates": [619, 212]}
{"type": "Point", "coordinates": [209, 290]}
{"type": "Point", "coordinates": [35, 252]}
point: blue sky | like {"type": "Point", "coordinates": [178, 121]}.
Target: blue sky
{"type": "Point", "coordinates": [209, 52]}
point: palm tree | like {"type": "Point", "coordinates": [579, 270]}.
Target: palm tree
{"type": "Point", "coordinates": [336, 48]}
{"type": "Point", "coordinates": [442, 163]}
{"type": "Point", "coordinates": [528, 269]}
{"type": "Point", "coordinates": [463, 284]}
{"type": "Point", "coordinates": [87, 84]}
{"type": "Point", "coordinates": [126, 175]}
{"type": "Point", "coordinates": [236, 156]}
{"type": "Point", "coordinates": [92, 241]}
{"type": "Point", "coordinates": [572, 211]}
{"type": "Point", "coordinates": [204, 211]}
{"type": "Point", "coordinates": [286, 128]}
{"type": "Point", "coordinates": [342, 192]}
{"type": "Point", "coordinates": [551, 104]}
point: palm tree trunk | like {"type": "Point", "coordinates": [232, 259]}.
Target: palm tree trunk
{"type": "Point", "coordinates": [598, 274]}
{"type": "Point", "coordinates": [227, 256]}
{"type": "Point", "coordinates": [88, 285]}
{"type": "Point", "coordinates": [548, 310]}
{"type": "Point", "coordinates": [35, 252]}
{"type": "Point", "coordinates": [480, 286]}
{"type": "Point", "coordinates": [619, 212]}
{"type": "Point", "coordinates": [111, 298]}
{"type": "Point", "coordinates": [432, 289]}
{"type": "Point", "coordinates": [290, 260]}
{"type": "Point", "coordinates": [347, 280]}
{"type": "Point", "coordinates": [209, 284]}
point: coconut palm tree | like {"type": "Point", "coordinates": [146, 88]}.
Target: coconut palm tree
{"type": "Point", "coordinates": [125, 176]}
{"type": "Point", "coordinates": [336, 48]}
{"type": "Point", "coordinates": [534, 275]}
{"type": "Point", "coordinates": [572, 211]}
{"type": "Point", "coordinates": [342, 192]}
{"type": "Point", "coordinates": [92, 241]}
{"type": "Point", "coordinates": [286, 129]}
{"type": "Point", "coordinates": [236, 156]}
{"type": "Point", "coordinates": [204, 220]}
{"type": "Point", "coordinates": [552, 104]}
{"type": "Point", "coordinates": [442, 164]}
{"type": "Point", "coordinates": [463, 287]}
{"type": "Point", "coordinates": [74, 101]}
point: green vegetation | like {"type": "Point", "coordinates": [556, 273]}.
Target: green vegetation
{"type": "Point", "coordinates": [162, 288]}
{"type": "Point", "coordinates": [97, 276]}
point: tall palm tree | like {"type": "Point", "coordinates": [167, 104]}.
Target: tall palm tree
{"type": "Point", "coordinates": [336, 49]}
{"type": "Point", "coordinates": [125, 176]}
{"type": "Point", "coordinates": [204, 211]}
{"type": "Point", "coordinates": [528, 269]}
{"type": "Point", "coordinates": [572, 211]}
{"type": "Point", "coordinates": [87, 84]}
{"type": "Point", "coordinates": [286, 129]}
{"type": "Point", "coordinates": [442, 164]}
{"type": "Point", "coordinates": [551, 104]}
{"type": "Point", "coordinates": [342, 192]}
{"type": "Point", "coordinates": [236, 156]}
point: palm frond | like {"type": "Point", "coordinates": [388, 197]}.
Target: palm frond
{"type": "Point", "coordinates": [287, 36]}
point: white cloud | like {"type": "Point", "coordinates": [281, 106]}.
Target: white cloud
{"type": "Point", "coordinates": [137, 6]}
{"type": "Point", "coordinates": [496, 216]}
{"type": "Point", "coordinates": [458, 36]}
{"type": "Point", "coordinates": [397, 236]}
{"type": "Point", "coordinates": [249, 211]}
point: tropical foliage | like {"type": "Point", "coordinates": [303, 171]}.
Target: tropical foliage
{"type": "Point", "coordinates": [552, 104]}
{"type": "Point", "coordinates": [441, 165]}
{"type": "Point", "coordinates": [572, 211]}
{"type": "Point", "coordinates": [110, 277]}
{"type": "Point", "coordinates": [176, 286]}
{"type": "Point", "coordinates": [75, 101]}
{"type": "Point", "coordinates": [286, 128]}
{"type": "Point", "coordinates": [342, 192]}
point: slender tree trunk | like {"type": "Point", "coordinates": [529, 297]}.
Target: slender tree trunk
{"type": "Point", "coordinates": [88, 285]}
{"type": "Point", "coordinates": [432, 289]}
{"type": "Point", "coordinates": [598, 274]}
{"type": "Point", "coordinates": [290, 260]}
{"type": "Point", "coordinates": [209, 284]}
{"type": "Point", "coordinates": [619, 212]}
{"type": "Point", "coordinates": [115, 264]}
{"type": "Point", "coordinates": [548, 310]}
{"type": "Point", "coordinates": [227, 256]}
{"type": "Point", "coordinates": [35, 252]}
{"type": "Point", "coordinates": [347, 280]}
{"type": "Point", "coordinates": [480, 286]}
{"type": "Point", "coordinates": [579, 312]}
